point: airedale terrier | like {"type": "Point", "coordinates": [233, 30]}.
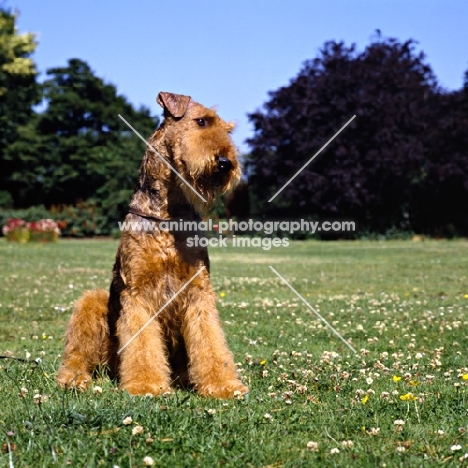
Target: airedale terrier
{"type": "Point", "coordinates": [159, 327]}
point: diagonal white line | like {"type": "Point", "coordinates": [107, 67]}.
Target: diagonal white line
{"type": "Point", "coordinates": [311, 159]}
{"type": "Point", "coordinates": [161, 309]}
{"type": "Point", "coordinates": [163, 160]}
{"type": "Point", "coordinates": [313, 310]}
{"type": "Point", "coordinates": [10, 454]}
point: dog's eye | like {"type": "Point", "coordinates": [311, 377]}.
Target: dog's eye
{"type": "Point", "coordinates": [201, 122]}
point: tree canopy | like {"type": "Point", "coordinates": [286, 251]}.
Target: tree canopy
{"type": "Point", "coordinates": [382, 169]}
{"type": "Point", "coordinates": [78, 148]}
{"type": "Point", "coordinates": [19, 90]}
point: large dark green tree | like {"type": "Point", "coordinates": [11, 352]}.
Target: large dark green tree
{"type": "Point", "coordinates": [78, 149]}
{"type": "Point", "coordinates": [442, 201]}
{"type": "Point", "coordinates": [380, 170]}
{"type": "Point", "coordinates": [19, 91]}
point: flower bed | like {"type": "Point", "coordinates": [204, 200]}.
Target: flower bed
{"type": "Point", "coordinates": [44, 230]}
{"type": "Point", "coordinates": [18, 230]}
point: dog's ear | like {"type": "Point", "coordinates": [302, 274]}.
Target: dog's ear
{"type": "Point", "coordinates": [175, 104]}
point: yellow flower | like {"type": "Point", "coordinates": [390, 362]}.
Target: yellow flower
{"type": "Point", "coordinates": [262, 362]}
{"type": "Point", "coordinates": [222, 294]}
{"type": "Point", "coordinates": [408, 397]}
{"type": "Point", "coordinates": [465, 377]}
{"type": "Point", "coordinates": [414, 383]}
{"type": "Point", "coordinates": [396, 378]}
{"type": "Point", "coordinates": [466, 296]}
{"type": "Point", "coordinates": [365, 399]}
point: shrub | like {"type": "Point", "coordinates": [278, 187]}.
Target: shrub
{"type": "Point", "coordinates": [83, 220]}
{"type": "Point", "coordinates": [44, 230]}
{"type": "Point", "coordinates": [16, 230]}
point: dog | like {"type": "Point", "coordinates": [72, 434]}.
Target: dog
{"type": "Point", "coordinates": [158, 327]}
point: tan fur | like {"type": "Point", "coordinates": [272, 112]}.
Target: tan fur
{"type": "Point", "coordinates": [184, 345]}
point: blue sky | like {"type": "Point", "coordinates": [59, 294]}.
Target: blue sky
{"type": "Point", "coordinates": [230, 53]}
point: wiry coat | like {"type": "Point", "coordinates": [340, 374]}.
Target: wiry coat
{"type": "Point", "coordinates": [150, 340]}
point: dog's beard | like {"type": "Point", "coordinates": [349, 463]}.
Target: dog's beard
{"type": "Point", "coordinates": [210, 187]}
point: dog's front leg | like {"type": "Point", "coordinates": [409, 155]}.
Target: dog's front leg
{"type": "Point", "coordinates": [211, 364]}
{"type": "Point", "coordinates": [144, 367]}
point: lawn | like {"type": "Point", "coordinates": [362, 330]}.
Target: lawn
{"type": "Point", "coordinates": [401, 400]}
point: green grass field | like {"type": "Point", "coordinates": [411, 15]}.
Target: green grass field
{"type": "Point", "coordinates": [400, 401]}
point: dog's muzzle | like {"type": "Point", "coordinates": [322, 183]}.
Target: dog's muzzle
{"type": "Point", "coordinates": [224, 165]}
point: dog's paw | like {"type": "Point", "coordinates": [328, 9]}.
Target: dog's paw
{"type": "Point", "coordinates": [232, 389]}
{"type": "Point", "coordinates": [144, 388]}
{"type": "Point", "coordinates": [68, 379]}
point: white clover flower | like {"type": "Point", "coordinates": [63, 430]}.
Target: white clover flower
{"type": "Point", "coordinates": [127, 421]}
{"type": "Point", "coordinates": [137, 430]}
{"type": "Point", "coordinates": [39, 399]}
{"type": "Point", "coordinates": [312, 446]}
{"type": "Point", "coordinates": [374, 431]}
{"type": "Point", "coordinates": [347, 443]}
{"type": "Point", "coordinates": [148, 461]}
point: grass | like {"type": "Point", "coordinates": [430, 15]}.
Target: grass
{"type": "Point", "coordinates": [400, 401]}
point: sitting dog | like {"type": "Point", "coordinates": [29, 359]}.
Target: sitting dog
{"type": "Point", "coordinates": [159, 327]}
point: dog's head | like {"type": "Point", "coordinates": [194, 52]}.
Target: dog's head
{"type": "Point", "coordinates": [199, 148]}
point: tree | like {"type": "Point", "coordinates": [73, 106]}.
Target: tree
{"type": "Point", "coordinates": [78, 149]}
{"type": "Point", "coordinates": [19, 90]}
{"type": "Point", "coordinates": [369, 172]}
{"type": "Point", "coordinates": [442, 202]}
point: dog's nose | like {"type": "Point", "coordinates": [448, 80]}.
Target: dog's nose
{"type": "Point", "coordinates": [224, 164]}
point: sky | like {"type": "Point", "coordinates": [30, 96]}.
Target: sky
{"type": "Point", "coordinates": [231, 53]}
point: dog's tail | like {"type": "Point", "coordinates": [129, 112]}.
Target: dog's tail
{"type": "Point", "coordinates": [87, 344]}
